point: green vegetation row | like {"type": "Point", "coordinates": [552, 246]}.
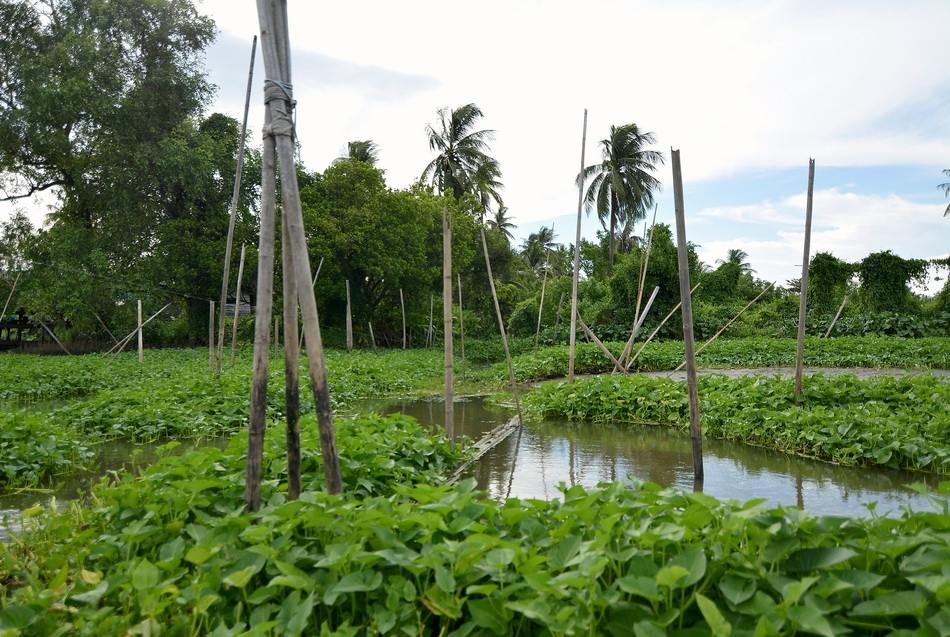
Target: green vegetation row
{"type": "Point", "coordinates": [864, 351]}
{"type": "Point", "coordinates": [900, 422]}
{"type": "Point", "coordinates": [172, 552]}
{"type": "Point", "coordinates": [172, 395]}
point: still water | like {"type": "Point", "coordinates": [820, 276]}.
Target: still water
{"type": "Point", "coordinates": [549, 453]}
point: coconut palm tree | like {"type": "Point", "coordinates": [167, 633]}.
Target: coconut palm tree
{"type": "Point", "coordinates": [487, 183]}
{"type": "Point", "coordinates": [462, 164]}
{"type": "Point", "coordinates": [622, 184]}
{"type": "Point", "coordinates": [738, 257]}
{"type": "Point", "coordinates": [502, 223]}
{"type": "Point", "coordinates": [537, 246]}
{"type": "Point", "coordinates": [946, 190]}
{"type": "Point", "coordinates": [364, 150]}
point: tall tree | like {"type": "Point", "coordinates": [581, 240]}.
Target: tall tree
{"type": "Point", "coordinates": [502, 223]}
{"type": "Point", "coordinates": [364, 150]}
{"type": "Point", "coordinates": [946, 190]}
{"type": "Point", "coordinates": [462, 164]}
{"type": "Point", "coordinates": [622, 184]}
{"type": "Point", "coordinates": [738, 257]}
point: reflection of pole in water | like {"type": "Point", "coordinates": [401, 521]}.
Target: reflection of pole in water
{"type": "Point", "coordinates": [799, 494]}
{"type": "Point", "coordinates": [697, 486]}
{"type": "Point", "coordinates": [514, 459]}
{"type": "Point", "coordinates": [570, 462]}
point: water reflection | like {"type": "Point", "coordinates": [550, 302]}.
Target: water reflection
{"type": "Point", "coordinates": [545, 454]}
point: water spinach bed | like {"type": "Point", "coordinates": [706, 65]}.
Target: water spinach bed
{"type": "Point", "coordinates": [172, 551]}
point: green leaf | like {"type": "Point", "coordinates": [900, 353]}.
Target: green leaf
{"type": "Point", "coordinates": [198, 555]}
{"type": "Point", "coordinates": [694, 561]}
{"type": "Point", "coordinates": [644, 587]}
{"type": "Point", "coordinates": [812, 559]}
{"type": "Point", "coordinates": [736, 589]}
{"type": "Point", "coordinates": [241, 577]}
{"type": "Point", "coordinates": [717, 623]}
{"type": "Point", "coordinates": [487, 614]}
{"type": "Point", "coordinates": [648, 629]}
{"type": "Point", "coordinates": [810, 620]}
{"type": "Point", "coordinates": [671, 576]}
{"type": "Point", "coordinates": [903, 603]}
{"type": "Point", "coordinates": [94, 595]}
{"type": "Point", "coordinates": [145, 576]}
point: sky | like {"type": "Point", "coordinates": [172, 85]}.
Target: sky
{"type": "Point", "coordinates": [747, 90]}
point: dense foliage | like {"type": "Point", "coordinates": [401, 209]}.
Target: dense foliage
{"type": "Point", "coordinates": [901, 422]}
{"type": "Point", "coordinates": [173, 552]}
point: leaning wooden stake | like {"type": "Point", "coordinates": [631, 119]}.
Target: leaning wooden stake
{"type": "Point", "coordinates": [501, 328]}
{"type": "Point", "coordinates": [372, 338]}
{"type": "Point", "coordinates": [803, 299]}
{"type": "Point", "coordinates": [279, 133]}
{"type": "Point", "coordinates": [118, 347]}
{"type": "Point", "coordinates": [577, 258]}
{"type": "Point", "coordinates": [237, 304]}
{"type": "Point", "coordinates": [10, 295]}
{"type": "Point", "coordinates": [655, 332]}
{"type": "Point", "coordinates": [402, 308]}
{"type": "Point", "coordinates": [50, 332]}
{"type": "Point", "coordinates": [211, 335]}
{"type": "Point", "coordinates": [104, 326]}
{"type": "Point", "coordinates": [316, 276]}
{"type": "Point", "coordinates": [447, 351]}
{"type": "Point", "coordinates": [557, 314]}
{"type": "Point", "coordinates": [637, 325]}
{"type": "Point", "coordinates": [235, 196]}
{"type": "Point", "coordinates": [726, 326]}
{"type": "Point", "coordinates": [598, 342]}
{"type": "Point", "coordinates": [349, 319]}
{"type": "Point", "coordinates": [682, 250]}
{"type": "Point", "coordinates": [644, 265]}
{"type": "Point", "coordinates": [291, 367]}
{"type": "Point", "coordinates": [139, 323]}
{"type": "Point", "coordinates": [461, 318]}
{"type": "Point", "coordinates": [429, 331]}
{"type": "Point", "coordinates": [837, 316]}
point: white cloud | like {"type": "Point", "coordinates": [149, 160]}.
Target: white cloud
{"type": "Point", "coordinates": [847, 224]}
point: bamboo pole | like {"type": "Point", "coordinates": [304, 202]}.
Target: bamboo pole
{"type": "Point", "coordinates": [372, 338]}
{"type": "Point", "coordinates": [655, 332]}
{"type": "Point", "coordinates": [837, 316]}
{"type": "Point", "coordinates": [10, 296]}
{"type": "Point", "coordinates": [211, 356]}
{"type": "Point", "coordinates": [291, 365]}
{"type": "Point", "coordinates": [682, 250]}
{"type": "Point", "coordinates": [644, 265]}
{"type": "Point", "coordinates": [637, 325]}
{"type": "Point", "coordinates": [104, 326]}
{"type": "Point", "coordinates": [430, 335]}
{"type": "Point", "coordinates": [125, 341]}
{"type": "Point", "coordinates": [313, 285]}
{"type": "Point", "coordinates": [537, 330]}
{"type": "Point", "coordinates": [447, 351]}
{"type": "Point", "coordinates": [501, 328]}
{"type": "Point", "coordinates": [349, 319]}
{"type": "Point", "coordinates": [557, 314]}
{"type": "Point", "coordinates": [50, 332]}
{"type": "Point", "coordinates": [279, 102]}
{"type": "Point", "coordinates": [726, 326]}
{"type": "Point", "coordinates": [237, 304]}
{"type": "Point", "coordinates": [577, 258]}
{"type": "Point", "coordinates": [402, 307]}
{"type": "Point", "coordinates": [803, 298]}
{"type": "Point", "coordinates": [235, 196]}
{"type": "Point", "coordinates": [461, 318]}
{"type": "Point", "coordinates": [141, 353]}
{"type": "Point", "coordinates": [598, 342]}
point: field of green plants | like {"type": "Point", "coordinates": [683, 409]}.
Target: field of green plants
{"type": "Point", "coordinates": [172, 551]}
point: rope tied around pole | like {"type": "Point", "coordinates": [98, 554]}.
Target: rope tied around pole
{"type": "Point", "coordinates": [282, 122]}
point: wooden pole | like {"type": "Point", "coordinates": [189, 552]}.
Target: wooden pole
{"type": "Point", "coordinates": [280, 104]}
{"type": "Point", "coordinates": [291, 365]}
{"type": "Point", "coordinates": [50, 332]}
{"type": "Point", "coordinates": [598, 342]}
{"type": "Point", "coordinates": [402, 307]}
{"type": "Point", "coordinates": [537, 330]}
{"type": "Point", "coordinates": [429, 332]}
{"type": "Point", "coordinates": [461, 318]}
{"type": "Point", "coordinates": [803, 298]}
{"type": "Point", "coordinates": [837, 315]}
{"type": "Point", "coordinates": [447, 351]}
{"type": "Point", "coordinates": [557, 314]}
{"type": "Point", "coordinates": [637, 325]}
{"type": "Point", "coordinates": [577, 258]}
{"type": "Point", "coordinates": [237, 304]}
{"type": "Point", "coordinates": [682, 250]}
{"type": "Point", "coordinates": [316, 276]}
{"type": "Point", "coordinates": [726, 326]}
{"type": "Point", "coordinates": [655, 332]}
{"type": "Point", "coordinates": [121, 344]}
{"type": "Point", "coordinates": [235, 197]}
{"type": "Point", "coordinates": [10, 295]}
{"type": "Point", "coordinates": [349, 319]}
{"type": "Point", "coordinates": [211, 335]}
{"type": "Point", "coordinates": [501, 328]}
{"type": "Point", "coordinates": [372, 338]}
{"type": "Point", "coordinates": [141, 353]}
{"type": "Point", "coordinates": [644, 265]}
{"type": "Point", "coordinates": [104, 326]}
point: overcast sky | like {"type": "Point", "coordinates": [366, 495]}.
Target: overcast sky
{"type": "Point", "coordinates": [747, 90]}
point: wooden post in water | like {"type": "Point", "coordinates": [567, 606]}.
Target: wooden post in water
{"type": "Point", "coordinates": [237, 304]}
{"type": "Point", "coordinates": [461, 319]}
{"type": "Point", "coordinates": [577, 258]}
{"type": "Point", "coordinates": [501, 328]}
{"type": "Point", "coordinates": [402, 307]}
{"type": "Point", "coordinates": [235, 196]}
{"type": "Point", "coordinates": [447, 351]}
{"type": "Point", "coordinates": [803, 298]}
{"type": "Point", "coordinates": [211, 335]}
{"type": "Point", "coordinates": [291, 366]}
{"type": "Point", "coordinates": [279, 135]}
{"type": "Point", "coordinates": [141, 344]}
{"type": "Point", "coordinates": [349, 319]}
{"type": "Point", "coordinates": [682, 250]}
{"type": "Point", "coordinates": [837, 316]}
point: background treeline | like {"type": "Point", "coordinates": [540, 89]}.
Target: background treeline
{"type": "Point", "coordinates": [102, 106]}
